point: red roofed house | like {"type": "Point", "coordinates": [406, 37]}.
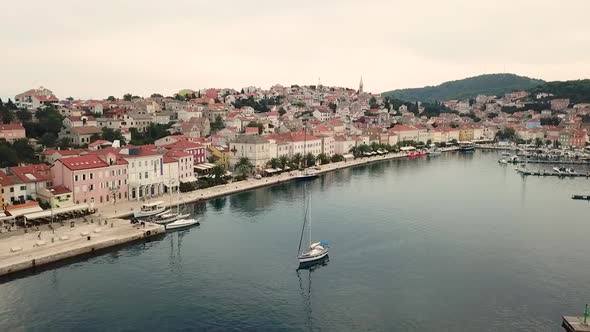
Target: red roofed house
{"type": "Point", "coordinates": [92, 179]}
{"type": "Point", "coordinates": [251, 130]}
{"type": "Point", "coordinates": [196, 150]}
{"type": "Point", "coordinates": [80, 135]}
{"type": "Point", "coordinates": [34, 98]}
{"type": "Point", "coordinates": [56, 197]}
{"type": "Point", "coordinates": [32, 177]}
{"type": "Point", "coordinates": [50, 156]}
{"type": "Point", "coordinates": [11, 132]}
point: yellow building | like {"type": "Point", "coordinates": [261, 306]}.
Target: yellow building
{"type": "Point", "coordinates": [465, 134]}
{"type": "Point", "coordinates": [221, 154]}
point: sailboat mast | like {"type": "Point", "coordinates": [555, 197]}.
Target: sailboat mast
{"type": "Point", "coordinates": [309, 220]}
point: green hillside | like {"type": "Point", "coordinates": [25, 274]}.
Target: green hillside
{"type": "Point", "coordinates": [577, 91]}
{"type": "Point", "coordinates": [490, 84]}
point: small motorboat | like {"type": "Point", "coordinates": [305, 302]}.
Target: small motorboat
{"type": "Point", "coordinates": [503, 161]}
{"type": "Point", "coordinates": [557, 170]}
{"type": "Point", "coordinates": [181, 223]}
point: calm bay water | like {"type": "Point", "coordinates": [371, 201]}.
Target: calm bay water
{"type": "Point", "coordinates": [451, 243]}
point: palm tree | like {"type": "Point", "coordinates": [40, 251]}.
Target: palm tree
{"type": "Point", "coordinates": [309, 159]}
{"type": "Point", "coordinates": [218, 172]}
{"type": "Point", "coordinates": [283, 161]}
{"type": "Point", "coordinates": [374, 146]}
{"type": "Point", "coordinates": [323, 158]}
{"type": "Point", "coordinates": [244, 166]}
{"type": "Point", "coordinates": [296, 160]}
{"type": "Point", "coordinates": [274, 163]}
{"type": "Point", "coordinates": [355, 151]}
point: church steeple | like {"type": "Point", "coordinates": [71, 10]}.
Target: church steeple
{"type": "Point", "coordinates": [361, 85]}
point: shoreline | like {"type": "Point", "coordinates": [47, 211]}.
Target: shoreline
{"type": "Point", "coordinates": [126, 209]}
{"type": "Point", "coordinates": [106, 229]}
{"type": "Point", "coordinates": [35, 249]}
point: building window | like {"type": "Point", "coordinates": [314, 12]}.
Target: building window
{"type": "Point", "coordinates": [91, 176]}
{"type": "Point", "coordinates": [76, 178]}
{"type": "Point", "coordinates": [11, 189]}
{"type": "Point", "coordinates": [23, 187]}
{"type": "Point", "coordinates": [146, 175]}
{"type": "Point", "coordinates": [83, 177]}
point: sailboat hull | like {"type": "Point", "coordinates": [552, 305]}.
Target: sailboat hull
{"type": "Point", "coordinates": [312, 258]}
{"type": "Point", "coordinates": [305, 177]}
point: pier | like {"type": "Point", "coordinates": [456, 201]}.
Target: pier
{"type": "Point", "coordinates": [553, 173]}
{"type": "Point", "coordinates": [39, 247]}
{"type": "Point", "coordinates": [554, 162]}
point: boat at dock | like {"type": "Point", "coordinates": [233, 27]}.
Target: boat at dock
{"type": "Point", "coordinates": [466, 146]}
{"type": "Point", "coordinates": [150, 209]}
{"type": "Point", "coordinates": [181, 223]}
{"type": "Point", "coordinates": [581, 197]}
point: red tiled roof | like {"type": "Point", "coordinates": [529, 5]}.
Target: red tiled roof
{"type": "Point", "coordinates": [184, 145]}
{"type": "Point", "coordinates": [11, 126]}
{"type": "Point", "coordinates": [31, 173]}
{"type": "Point", "coordinates": [83, 162]}
{"type": "Point", "coordinates": [59, 190]}
{"type": "Point", "coordinates": [6, 180]}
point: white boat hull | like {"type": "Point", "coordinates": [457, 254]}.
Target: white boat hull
{"type": "Point", "coordinates": [143, 214]}
{"type": "Point", "coordinates": [307, 259]}
{"type": "Point", "coordinates": [181, 223]}
{"type": "Point", "coordinates": [166, 220]}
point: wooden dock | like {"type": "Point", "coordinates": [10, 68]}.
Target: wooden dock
{"type": "Point", "coordinates": [553, 173]}
{"type": "Point", "coordinates": [553, 162]}
{"type": "Point", "coordinates": [575, 324]}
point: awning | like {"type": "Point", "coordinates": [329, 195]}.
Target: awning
{"type": "Point", "coordinates": [47, 213]}
{"type": "Point", "coordinates": [188, 179]}
{"type": "Point", "coordinates": [23, 211]}
{"type": "Point", "coordinates": [270, 170]}
{"type": "Point", "coordinates": [348, 156]}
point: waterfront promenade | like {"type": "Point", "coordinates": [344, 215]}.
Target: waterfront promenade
{"type": "Point", "coordinates": [36, 248]}
{"type": "Point", "coordinates": [125, 209]}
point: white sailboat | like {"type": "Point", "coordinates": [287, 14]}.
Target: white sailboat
{"type": "Point", "coordinates": [315, 251]}
{"type": "Point", "coordinates": [167, 216]}
{"type": "Point", "coordinates": [181, 223]}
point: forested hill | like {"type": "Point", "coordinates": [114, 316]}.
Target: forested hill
{"type": "Point", "coordinates": [489, 84]}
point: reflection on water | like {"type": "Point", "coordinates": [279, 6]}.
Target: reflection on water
{"type": "Point", "coordinates": [304, 276]}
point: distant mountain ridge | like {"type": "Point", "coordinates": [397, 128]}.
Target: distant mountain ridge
{"type": "Point", "coordinates": [489, 84]}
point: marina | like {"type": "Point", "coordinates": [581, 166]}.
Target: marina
{"type": "Point", "coordinates": [462, 261]}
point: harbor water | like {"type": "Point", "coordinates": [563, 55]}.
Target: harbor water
{"type": "Point", "coordinates": [449, 243]}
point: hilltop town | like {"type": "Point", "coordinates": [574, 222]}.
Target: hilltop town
{"type": "Point", "coordinates": [57, 152]}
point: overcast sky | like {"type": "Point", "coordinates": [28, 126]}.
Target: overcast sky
{"type": "Point", "coordinates": [92, 49]}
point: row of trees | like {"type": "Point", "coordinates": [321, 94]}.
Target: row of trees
{"type": "Point", "coordinates": [258, 106]}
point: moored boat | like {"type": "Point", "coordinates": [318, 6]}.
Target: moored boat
{"type": "Point", "coordinates": [150, 209]}
{"type": "Point", "coordinates": [316, 251]}
{"type": "Point", "coordinates": [181, 223]}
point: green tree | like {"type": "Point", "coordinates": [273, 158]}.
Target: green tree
{"type": "Point", "coordinates": [218, 124]}
{"type": "Point", "coordinates": [7, 115]}
{"type": "Point", "coordinates": [274, 163]}
{"type": "Point", "coordinates": [296, 160]}
{"type": "Point", "coordinates": [111, 135]}
{"type": "Point", "coordinates": [8, 156]}
{"type": "Point", "coordinates": [156, 95]}
{"type": "Point", "coordinates": [218, 172]}
{"type": "Point", "coordinates": [24, 115]}
{"type": "Point", "coordinates": [283, 161]}
{"type": "Point", "coordinates": [282, 111]}
{"type": "Point", "coordinates": [309, 159]}
{"type": "Point", "coordinates": [244, 167]}
{"type": "Point", "coordinates": [337, 158]}
{"type": "Point", "coordinates": [127, 97]}
{"type": "Point", "coordinates": [323, 158]}
{"type": "Point", "coordinates": [10, 105]}
{"type": "Point", "coordinates": [24, 150]}
{"type": "Point", "coordinates": [111, 98]}
{"type": "Point", "coordinates": [48, 139]}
